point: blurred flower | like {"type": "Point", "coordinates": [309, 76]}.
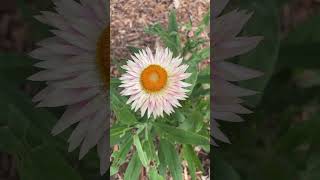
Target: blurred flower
{"type": "Point", "coordinates": [226, 96]}
{"type": "Point", "coordinates": [154, 82]}
{"type": "Point", "coordinates": [76, 72]}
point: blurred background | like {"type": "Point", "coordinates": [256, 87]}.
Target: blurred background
{"type": "Point", "coordinates": [280, 140]}
{"type": "Point", "coordinates": [27, 149]}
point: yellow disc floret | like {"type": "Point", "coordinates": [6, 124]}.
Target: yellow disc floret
{"type": "Point", "coordinates": [154, 78]}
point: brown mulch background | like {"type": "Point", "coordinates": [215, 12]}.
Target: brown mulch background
{"type": "Point", "coordinates": [128, 20]}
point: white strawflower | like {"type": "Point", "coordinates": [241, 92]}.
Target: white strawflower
{"type": "Point", "coordinates": [75, 63]}
{"type": "Point", "coordinates": [226, 100]}
{"type": "Point", "coordinates": [154, 83]}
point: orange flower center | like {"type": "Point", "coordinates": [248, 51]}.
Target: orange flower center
{"type": "Point", "coordinates": [154, 78]}
{"type": "Point", "coordinates": [102, 57]}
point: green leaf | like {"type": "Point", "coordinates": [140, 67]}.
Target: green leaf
{"type": "Point", "coordinates": [162, 162]}
{"type": "Point", "coordinates": [192, 159]}
{"type": "Point", "coordinates": [198, 120]}
{"type": "Point", "coordinates": [153, 174]}
{"type": "Point", "coordinates": [134, 49]}
{"type": "Point", "coordinates": [187, 150]}
{"type": "Point", "coordinates": [121, 109]}
{"type": "Point", "coordinates": [174, 32]}
{"type": "Point", "coordinates": [125, 115]}
{"type": "Point", "coordinates": [173, 25]}
{"type": "Point", "coordinates": [169, 37]}
{"type": "Point", "coordinates": [204, 23]}
{"type": "Point", "coordinates": [179, 116]}
{"type": "Point", "coordinates": [197, 57]}
{"type": "Point", "coordinates": [205, 78]}
{"type": "Point", "coordinates": [193, 63]}
{"type": "Point", "coordinates": [150, 149]}
{"type": "Point", "coordinates": [120, 156]}
{"type": "Point", "coordinates": [117, 132]}
{"type": "Point", "coordinates": [134, 168]}
{"type": "Point", "coordinates": [142, 155]}
{"type": "Point", "coordinates": [115, 81]}
{"type": "Point", "coordinates": [124, 149]}
{"type": "Point", "coordinates": [182, 136]}
{"type": "Point", "coordinates": [194, 122]}
{"type": "Point", "coordinates": [171, 158]}
{"type": "Point", "coordinates": [113, 170]}
{"type": "Point", "coordinates": [192, 80]}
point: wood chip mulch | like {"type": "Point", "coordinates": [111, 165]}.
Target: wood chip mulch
{"type": "Point", "coordinates": [129, 18]}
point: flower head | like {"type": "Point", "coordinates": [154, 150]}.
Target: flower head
{"type": "Point", "coordinates": [75, 63]}
{"type": "Point", "coordinates": [154, 83]}
{"type": "Point", "coordinates": [226, 96]}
